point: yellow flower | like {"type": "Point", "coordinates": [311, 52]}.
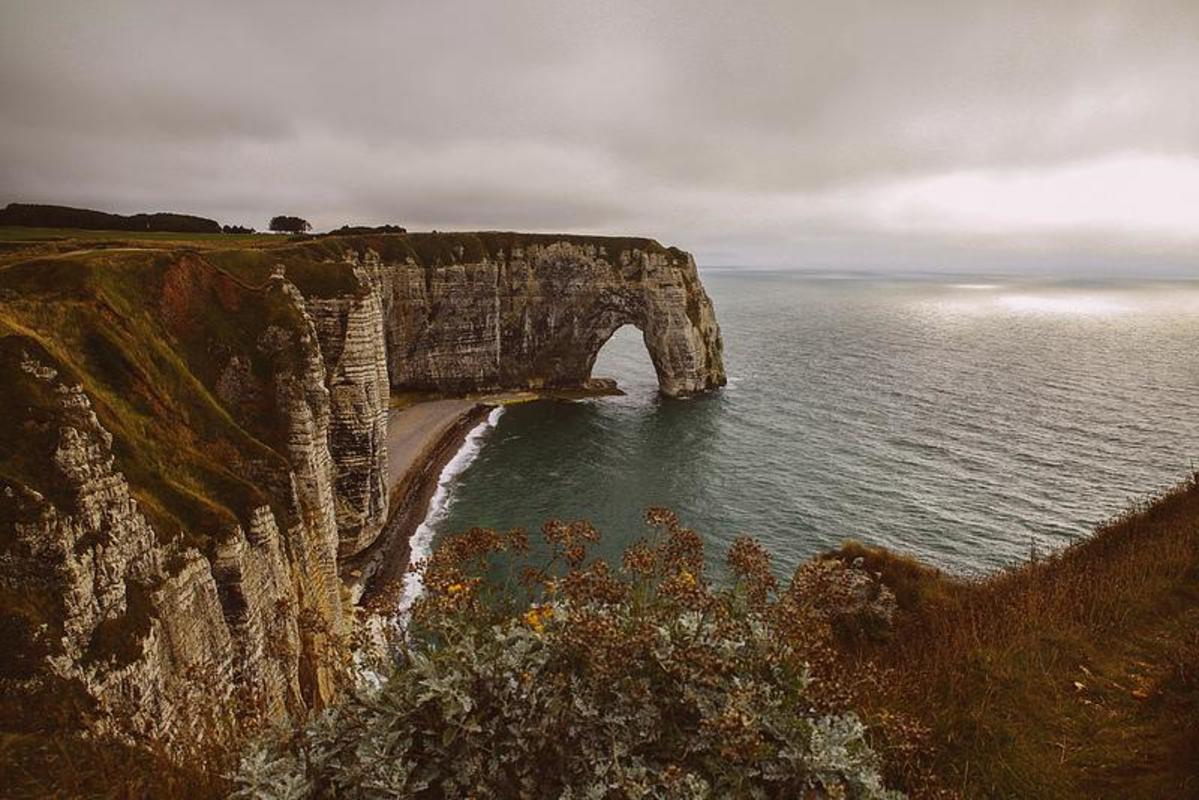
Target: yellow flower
{"type": "Point", "coordinates": [455, 588]}
{"type": "Point", "coordinates": [687, 578]}
{"type": "Point", "coordinates": [536, 616]}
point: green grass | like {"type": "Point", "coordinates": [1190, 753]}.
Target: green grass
{"type": "Point", "coordinates": [428, 248]}
{"type": "Point", "coordinates": [21, 234]}
{"type": "Point", "coordinates": [147, 336]}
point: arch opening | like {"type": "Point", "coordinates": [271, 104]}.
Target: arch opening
{"type": "Point", "coordinates": [625, 358]}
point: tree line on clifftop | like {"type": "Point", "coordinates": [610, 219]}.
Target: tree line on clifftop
{"type": "Point", "coordinates": [32, 215]}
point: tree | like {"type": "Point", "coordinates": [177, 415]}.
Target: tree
{"type": "Point", "coordinates": [285, 224]}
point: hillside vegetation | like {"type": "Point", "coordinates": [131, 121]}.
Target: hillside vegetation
{"type": "Point", "coordinates": [1072, 676]}
{"type": "Point", "coordinates": [51, 216]}
{"type": "Point", "coordinates": [127, 326]}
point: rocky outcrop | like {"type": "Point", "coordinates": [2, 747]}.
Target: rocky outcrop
{"type": "Point", "coordinates": [534, 311]}
{"type": "Point", "coordinates": [188, 453]}
{"type": "Point", "coordinates": [350, 329]}
{"type": "Point", "coordinates": [134, 633]}
{"type": "Point", "coordinates": [115, 625]}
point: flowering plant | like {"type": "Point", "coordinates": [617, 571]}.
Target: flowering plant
{"type": "Point", "coordinates": [594, 682]}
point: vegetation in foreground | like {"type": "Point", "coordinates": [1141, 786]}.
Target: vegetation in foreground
{"type": "Point", "coordinates": [1074, 675]}
{"type": "Point", "coordinates": [637, 682]}
{"type": "Point", "coordinates": [1071, 676]}
{"type": "Point", "coordinates": [84, 236]}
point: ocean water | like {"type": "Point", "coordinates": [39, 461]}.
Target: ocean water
{"type": "Point", "coordinates": [963, 421]}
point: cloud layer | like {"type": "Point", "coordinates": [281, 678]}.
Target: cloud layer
{"type": "Point", "coordinates": [794, 134]}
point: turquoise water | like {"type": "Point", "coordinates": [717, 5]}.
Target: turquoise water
{"type": "Point", "coordinates": [957, 420]}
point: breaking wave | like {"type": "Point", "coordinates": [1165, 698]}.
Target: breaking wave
{"type": "Point", "coordinates": [422, 539]}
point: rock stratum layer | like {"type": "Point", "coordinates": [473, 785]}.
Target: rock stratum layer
{"type": "Point", "coordinates": [193, 439]}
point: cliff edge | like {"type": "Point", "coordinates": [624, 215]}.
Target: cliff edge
{"type": "Point", "coordinates": [194, 436]}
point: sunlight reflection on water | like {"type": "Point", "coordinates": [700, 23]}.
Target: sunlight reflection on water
{"type": "Point", "coordinates": [934, 417]}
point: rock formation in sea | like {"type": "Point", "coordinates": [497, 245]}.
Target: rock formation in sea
{"type": "Point", "coordinates": [192, 439]}
{"type": "Point", "coordinates": [535, 311]}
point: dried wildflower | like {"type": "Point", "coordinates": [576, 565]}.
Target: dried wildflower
{"type": "Point", "coordinates": [701, 693]}
{"type": "Point", "coordinates": [517, 540]}
{"type": "Point", "coordinates": [661, 517]}
{"type": "Point", "coordinates": [640, 559]}
{"type": "Point", "coordinates": [594, 585]}
{"type": "Point", "coordinates": [750, 562]}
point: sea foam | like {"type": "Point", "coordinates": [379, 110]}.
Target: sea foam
{"type": "Point", "coordinates": [422, 539]}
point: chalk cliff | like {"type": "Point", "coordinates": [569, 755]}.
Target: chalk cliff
{"type": "Point", "coordinates": [534, 311]}
{"type": "Point", "coordinates": [191, 440]}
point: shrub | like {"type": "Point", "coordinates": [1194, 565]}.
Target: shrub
{"type": "Point", "coordinates": [359, 230]}
{"type": "Point", "coordinates": [581, 680]}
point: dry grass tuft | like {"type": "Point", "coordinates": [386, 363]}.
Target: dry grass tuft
{"type": "Point", "coordinates": [1071, 676]}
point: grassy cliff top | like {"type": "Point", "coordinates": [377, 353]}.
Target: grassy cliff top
{"type": "Point", "coordinates": [148, 322]}
{"type": "Point", "coordinates": [146, 333]}
{"type": "Point", "coordinates": [428, 249]}
{"type": "Point", "coordinates": [1072, 675]}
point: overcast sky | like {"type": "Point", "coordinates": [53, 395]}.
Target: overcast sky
{"type": "Point", "coordinates": [824, 135]}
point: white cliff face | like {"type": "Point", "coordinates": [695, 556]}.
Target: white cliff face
{"type": "Point", "coordinates": [350, 330]}
{"type": "Point", "coordinates": [311, 542]}
{"type": "Point", "coordinates": [160, 640]}
{"type": "Point", "coordinates": [156, 638]}
{"type": "Point", "coordinates": [140, 630]}
{"type": "Point", "coordinates": [536, 315]}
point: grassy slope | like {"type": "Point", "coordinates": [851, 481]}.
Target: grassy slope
{"type": "Point", "coordinates": [22, 234]}
{"type": "Point", "coordinates": [99, 317]}
{"type": "Point", "coordinates": [1075, 676]}
{"type": "Point", "coordinates": [148, 321]}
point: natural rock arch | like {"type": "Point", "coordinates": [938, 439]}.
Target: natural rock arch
{"type": "Point", "coordinates": [535, 314]}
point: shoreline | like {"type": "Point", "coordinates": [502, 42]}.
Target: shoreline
{"type": "Point", "coordinates": [381, 567]}
{"type": "Point", "coordinates": [418, 455]}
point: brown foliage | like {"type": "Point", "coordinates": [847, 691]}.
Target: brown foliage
{"type": "Point", "coordinates": [1025, 683]}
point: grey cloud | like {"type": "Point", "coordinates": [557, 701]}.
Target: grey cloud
{"type": "Point", "coordinates": [728, 128]}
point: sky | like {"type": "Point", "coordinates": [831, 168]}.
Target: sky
{"type": "Point", "coordinates": [847, 135]}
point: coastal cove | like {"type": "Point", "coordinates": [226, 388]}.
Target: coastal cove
{"type": "Point", "coordinates": [968, 421]}
{"type": "Point", "coordinates": [339, 403]}
{"type": "Point", "coordinates": [423, 437]}
{"type": "Point", "coordinates": [227, 433]}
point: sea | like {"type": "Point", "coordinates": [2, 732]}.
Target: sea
{"type": "Point", "coordinates": [968, 421]}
